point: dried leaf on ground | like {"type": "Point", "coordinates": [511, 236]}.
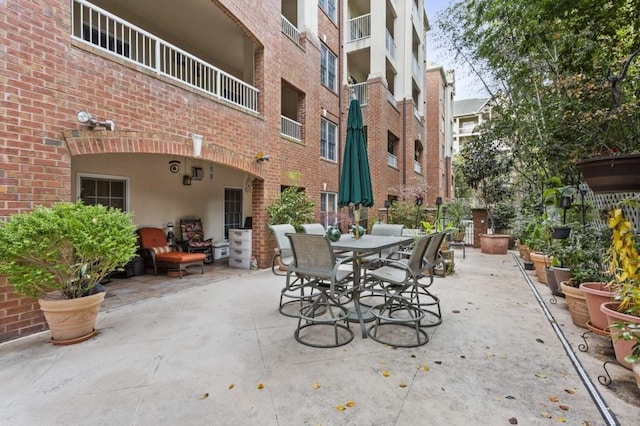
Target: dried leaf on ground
{"type": "Point", "coordinates": [546, 415]}
{"type": "Point", "coordinates": [510, 397]}
{"type": "Point", "coordinates": [386, 373]}
{"type": "Point", "coordinates": [562, 420]}
{"type": "Point", "coordinates": [316, 385]}
{"type": "Point", "coordinates": [351, 404]}
{"type": "Point", "coordinates": [260, 386]}
{"type": "Point", "coordinates": [570, 391]}
{"type": "Point", "coordinates": [554, 398]}
{"type": "Point", "coordinates": [424, 367]}
{"type": "Point", "coordinates": [340, 407]}
{"type": "Point", "coordinates": [402, 385]}
{"type": "Point", "coordinates": [205, 396]}
{"type": "Point", "coordinates": [541, 375]}
{"type": "Point", "coordinates": [563, 407]}
{"type": "Point", "coordinates": [513, 421]}
{"type": "Point", "coordinates": [231, 386]}
{"type": "Point", "coordinates": [539, 340]}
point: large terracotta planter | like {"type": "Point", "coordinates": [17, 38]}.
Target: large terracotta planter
{"type": "Point", "coordinates": [71, 320]}
{"type": "Point", "coordinates": [494, 243]}
{"type": "Point", "coordinates": [616, 173]}
{"type": "Point", "coordinates": [577, 305]}
{"type": "Point", "coordinates": [596, 294]}
{"type": "Point", "coordinates": [524, 252]}
{"type": "Point", "coordinates": [621, 347]}
{"type": "Point", "coordinates": [541, 261]}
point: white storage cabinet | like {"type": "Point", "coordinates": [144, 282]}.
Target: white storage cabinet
{"type": "Point", "coordinates": [240, 248]}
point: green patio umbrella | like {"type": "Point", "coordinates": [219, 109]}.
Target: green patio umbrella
{"type": "Point", "coordinates": [355, 180]}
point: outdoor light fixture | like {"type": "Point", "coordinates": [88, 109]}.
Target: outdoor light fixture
{"type": "Point", "coordinates": [260, 157]}
{"type": "Point", "coordinates": [87, 119]}
{"type": "Point", "coordinates": [197, 144]}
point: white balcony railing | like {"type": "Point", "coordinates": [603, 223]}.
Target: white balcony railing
{"type": "Point", "coordinates": [392, 160]}
{"type": "Point", "coordinates": [415, 69]}
{"type": "Point", "coordinates": [390, 44]}
{"type": "Point", "coordinates": [107, 32]}
{"type": "Point", "coordinates": [417, 167]}
{"type": "Point", "coordinates": [358, 90]}
{"type": "Point", "coordinates": [415, 15]}
{"type": "Point", "coordinates": [467, 129]}
{"type": "Point", "coordinates": [290, 128]}
{"type": "Point", "coordinates": [359, 28]}
{"type": "Point", "coordinates": [290, 30]}
{"type": "Point", "coordinates": [391, 99]}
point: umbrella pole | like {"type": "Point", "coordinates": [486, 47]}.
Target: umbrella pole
{"type": "Point", "coordinates": [356, 217]}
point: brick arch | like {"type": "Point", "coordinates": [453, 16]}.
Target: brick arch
{"type": "Point", "coordinates": [88, 142]}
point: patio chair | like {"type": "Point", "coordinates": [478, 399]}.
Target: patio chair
{"type": "Point", "coordinates": [396, 283]}
{"type": "Point", "coordinates": [154, 250]}
{"type": "Point", "coordinates": [389, 229]}
{"type": "Point", "coordinates": [314, 228]}
{"type": "Point", "coordinates": [432, 258]}
{"type": "Point", "coordinates": [294, 290]}
{"type": "Point", "coordinates": [193, 240]}
{"type": "Point", "coordinates": [315, 263]}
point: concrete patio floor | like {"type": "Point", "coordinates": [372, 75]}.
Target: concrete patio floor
{"type": "Point", "coordinates": [213, 350]}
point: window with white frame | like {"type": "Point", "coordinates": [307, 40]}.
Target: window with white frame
{"type": "Point", "coordinates": [110, 191]}
{"type": "Point", "coordinates": [329, 7]}
{"type": "Point", "coordinates": [328, 139]}
{"type": "Point", "coordinates": [328, 63]}
{"type": "Point", "coordinates": [328, 208]}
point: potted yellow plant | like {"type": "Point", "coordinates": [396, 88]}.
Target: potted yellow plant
{"type": "Point", "coordinates": [59, 255]}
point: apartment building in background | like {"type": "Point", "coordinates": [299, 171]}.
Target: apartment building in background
{"type": "Point", "coordinates": [468, 115]}
{"type": "Point", "coordinates": [204, 108]}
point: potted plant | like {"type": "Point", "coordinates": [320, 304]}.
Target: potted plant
{"type": "Point", "coordinates": [630, 332]}
{"type": "Point", "coordinates": [457, 212]}
{"type": "Point", "coordinates": [624, 265]}
{"type": "Point", "coordinates": [60, 254]}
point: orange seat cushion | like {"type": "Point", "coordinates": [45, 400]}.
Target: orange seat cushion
{"type": "Point", "coordinates": [180, 257]}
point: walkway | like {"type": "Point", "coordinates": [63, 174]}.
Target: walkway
{"type": "Point", "coordinates": [218, 352]}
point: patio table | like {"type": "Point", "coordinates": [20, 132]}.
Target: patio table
{"type": "Point", "coordinates": [361, 247]}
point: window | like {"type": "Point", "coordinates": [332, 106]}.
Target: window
{"type": "Point", "coordinates": [328, 208]}
{"type": "Point", "coordinates": [110, 191]}
{"type": "Point", "coordinates": [328, 68]}
{"type": "Point", "coordinates": [328, 140]}
{"type": "Point", "coordinates": [232, 210]}
{"type": "Point", "coordinates": [329, 7]}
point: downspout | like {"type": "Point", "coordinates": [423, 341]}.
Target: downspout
{"type": "Point", "coordinates": [341, 91]}
{"type": "Point", "coordinates": [404, 141]}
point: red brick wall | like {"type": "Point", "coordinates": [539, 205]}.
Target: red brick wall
{"type": "Point", "coordinates": [18, 316]}
{"type": "Point", "coordinates": [435, 135]}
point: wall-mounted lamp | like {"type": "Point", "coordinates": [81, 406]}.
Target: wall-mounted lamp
{"type": "Point", "coordinates": [87, 119]}
{"type": "Point", "coordinates": [197, 144]}
{"type": "Point", "coordinates": [260, 157]}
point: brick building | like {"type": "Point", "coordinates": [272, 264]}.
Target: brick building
{"type": "Point", "coordinates": [256, 80]}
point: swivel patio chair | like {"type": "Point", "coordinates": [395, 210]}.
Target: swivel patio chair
{"type": "Point", "coordinates": [315, 263]}
{"type": "Point", "coordinates": [294, 292]}
{"type": "Point", "coordinates": [430, 303]}
{"type": "Point", "coordinates": [313, 228]}
{"type": "Point", "coordinates": [389, 229]}
{"type": "Point", "coordinates": [396, 283]}
{"type": "Point", "coordinates": [193, 240]}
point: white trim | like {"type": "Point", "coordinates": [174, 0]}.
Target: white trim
{"type": "Point", "coordinates": [127, 200]}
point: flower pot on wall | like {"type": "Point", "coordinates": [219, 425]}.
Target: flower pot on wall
{"type": "Point", "coordinates": [577, 305]}
{"type": "Point", "coordinates": [71, 320]}
{"type": "Point", "coordinates": [616, 173]}
{"type": "Point", "coordinates": [596, 294]}
{"type": "Point", "coordinates": [540, 262]}
{"type": "Point", "coordinates": [494, 243]}
{"type": "Point", "coordinates": [621, 347]}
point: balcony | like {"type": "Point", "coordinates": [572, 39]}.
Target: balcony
{"type": "Point", "coordinates": [390, 44]}
{"type": "Point", "coordinates": [359, 90]}
{"type": "Point", "coordinates": [290, 128]}
{"type": "Point", "coordinates": [290, 30]}
{"type": "Point", "coordinates": [114, 36]}
{"type": "Point", "coordinates": [359, 28]}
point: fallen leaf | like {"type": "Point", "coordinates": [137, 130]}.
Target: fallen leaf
{"type": "Point", "coordinates": [205, 396]}
{"type": "Point", "coordinates": [455, 311]}
{"type": "Point", "coordinates": [260, 386]}
{"type": "Point", "coordinates": [351, 404]}
{"type": "Point", "coordinates": [403, 385]}
{"type": "Point", "coordinates": [562, 420]}
{"type": "Point", "coordinates": [570, 391]}
{"type": "Point", "coordinates": [382, 361]}
{"type": "Point", "coordinates": [546, 415]}
{"type": "Point", "coordinates": [231, 386]}
{"type": "Point", "coordinates": [316, 385]}
{"type": "Point", "coordinates": [489, 355]}
{"type": "Point", "coordinates": [563, 407]}
{"type": "Point", "coordinates": [462, 356]}
{"type": "Point", "coordinates": [385, 373]}
{"type": "Point", "coordinates": [438, 362]}
{"type": "Point", "coordinates": [554, 398]}
{"type": "Point", "coordinates": [413, 355]}
{"type": "Point", "coordinates": [541, 375]}
{"type": "Point", "coordinates": [539, 340]}
{"type": "Point", "coordinates": [340, 408]}
{"type": "Point", "coordinates": [513, 421]}
{"type": "Point", "coordinates": [424, 367]}
{"type": "Point", "coordinates": [510, 397]}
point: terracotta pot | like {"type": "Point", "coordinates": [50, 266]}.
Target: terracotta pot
{"type": "Point", "coordinates": [494, 243]}
{"type": "Point", "coordinates": [636, 372]}
{"type": "Point", "coordinates": [621, 347]}
{"type": "Point", "coordinates": [577, 305]}
{"type": "Point", "coordinates": [458, 236]}
{"type": "Point", "coordinates": [596, 294]}
{"type": "Point", "coordinates": [524, 252]}
{"type": "Point", "coordinates": [540, 262]}
{"type": "Point", "coordinates": [71, 320]}
{"type": "Point", "coordinates": [617, 173]}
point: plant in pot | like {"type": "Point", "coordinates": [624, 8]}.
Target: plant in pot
{"type": "Point", "coordinates": [457, 212]}
{"type": "Point", "coordinates": [624, 265]}
{"type": "Point", "coordinates": [60, 254]}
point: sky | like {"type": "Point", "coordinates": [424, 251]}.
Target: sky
{"type": "Point", "coordinates": [467, 86]}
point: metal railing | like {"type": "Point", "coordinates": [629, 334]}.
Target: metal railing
{"type": "Point", "coordinates": [390, 44]}
{"type": "Point", "coordinates": [107, 32]}
{"type": "Point", "coordinates": [290, 30]}
{"type": "Point", "coordinates": [359, 90]}
{"type": "Point", "coordinates": [415, 68]}
{"type": "Point", "coordinates": [359, 28]}
{"type": "Point", "coordinates": [290, 128]}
